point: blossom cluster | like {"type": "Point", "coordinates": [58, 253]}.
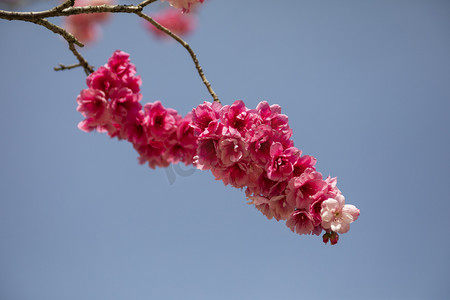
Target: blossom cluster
{"type": "Point", "coordinates": [112, 104]}
{"type": "Point", "coordinates": [249, 149]}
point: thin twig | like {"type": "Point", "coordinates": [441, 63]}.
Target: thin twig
{"type": "Point", "coordinates": [64, 67]}
{"type": "Point", "coordinates": [67, 9]}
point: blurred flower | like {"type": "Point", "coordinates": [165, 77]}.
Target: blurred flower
{"type": "Point", "coordinates": [177, 22]}
{"type": "Point", "coordinates": [337, 216]}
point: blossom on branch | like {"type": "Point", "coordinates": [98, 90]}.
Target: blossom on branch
{"type": "Point", "coordinates": [246, 148]}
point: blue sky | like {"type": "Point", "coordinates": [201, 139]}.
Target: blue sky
{"type": "Point", "coordinates": [366, 87]}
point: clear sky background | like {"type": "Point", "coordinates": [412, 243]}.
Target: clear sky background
{"type": "Point", "coordinates": [366, 86]}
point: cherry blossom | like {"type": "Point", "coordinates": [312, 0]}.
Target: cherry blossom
{"type": "Point", "coordinates": [185, 5]}
{"type": "Point", "coordinates": [246, 148]}
{"type": "Point", "coordinates": [337, 216]}
{"type": "Point", "coordinates": [85, 27]}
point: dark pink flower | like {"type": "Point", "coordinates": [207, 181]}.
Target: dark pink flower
{"type": "Point", "coordinates": [231, 148]}
{"type": "Point", "coordinates": [303, 163]}
{"type": "Point", "coordinates": [93, 104]}
{"type": "Point", "coordinates": [119, 63]}
{"type": "Point", "coordinates": [124, 104]}
{"type": "Point", "coordinates": [160, 121]}
{"type": "Point", "coordinates": [102, 79]}
{"type": "Point", "coordinates": [282, 162]}
{"type": "Point", "coordinates": [204, 114]}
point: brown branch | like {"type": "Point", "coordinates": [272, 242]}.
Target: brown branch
{"type": "Point", "coordinates": [64, 67]}
{"type": "Point", "coordinates": [67, 9]}
{"type": "Point", "coordinates": [71, 40]}
{"type": "Point", "coordinates": [187, 47]}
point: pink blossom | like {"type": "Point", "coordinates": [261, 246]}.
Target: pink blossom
{"type": "Point", "coordinates": [134, 130]}
{"type": "Point", "coordinates": [337, 216]}
{"type": "Point", "coordinates": [182, 145]}
{"type": "Point", "coordinates": [281, 164]}
{"type": "Point", "coordinates": [119, 63]}
{"type": "Point", "coordinates": [204, 114]}
{"type": "Point", "coordinates": [151, 153]}
{"type": "Point", "coordinates": [301, 222]}
{"type": "Point", "coordinates": [102, 79]}
{"type": "Point", "coordinates": [179, 23]}
{"type": "Point", "coordinates": [236, 116]}
{"type": "Point", "coordinates": [260, 139]}
{"type": "Point", "coordinates": [306, 188]}
{"type": "Point", "coordinates": [85, 27]}
{"type": "Point", "coordinates": [231, 148]}
{"type": "Point", "coordinates": [245, 148]}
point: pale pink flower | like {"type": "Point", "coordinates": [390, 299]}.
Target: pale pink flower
{"type": "Point", "coordinates": [303, 163]}
{"type": "Point", "coordinates": [236, 116]}
{"type": "Point", "coordinates": [93, 104]}
{"type": "Point", "coordinates": [119, 63]}
{"type": "Point", "coordinates": [337, 216]}
{"type": "Point", "coordinates": [271, 115]}
{"type": "Point", "coordinates": [206, 157]}
{"type": "Point", "coordinates": [134, 130]}
{"type": "Point", "coordinates": [103, 79]}
{"type": "Point", "coordinates": [151, 153]}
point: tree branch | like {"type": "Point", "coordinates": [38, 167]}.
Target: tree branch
{"type": "Point", "coordinates": [67, 9]}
